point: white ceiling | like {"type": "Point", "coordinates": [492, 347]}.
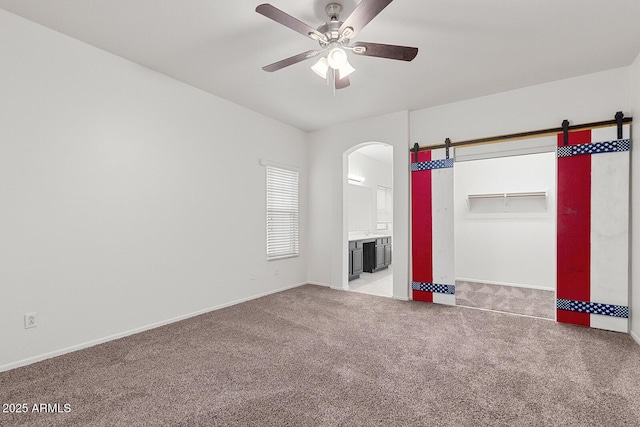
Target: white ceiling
{"type": "Point", "coordinates": [468, 48]}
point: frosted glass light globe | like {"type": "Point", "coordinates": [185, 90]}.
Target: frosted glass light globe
{"type": "Point", "coordinates": [337, 58]}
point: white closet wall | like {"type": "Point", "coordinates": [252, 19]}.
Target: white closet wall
{"type": "Point", "coordinates": [506, 240]}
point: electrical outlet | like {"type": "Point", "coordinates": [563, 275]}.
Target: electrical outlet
{"type": "Point", "coordinates": [252, 275]}
{"type": "Point", "coordinates": [30, 320]}
{"type": "Point", "coordinates": [277, 271]}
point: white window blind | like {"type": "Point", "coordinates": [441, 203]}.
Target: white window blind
{"type": "Point", "coordinates": [384, 204]}
{"type": "Point", "coordinates": [282, 213]}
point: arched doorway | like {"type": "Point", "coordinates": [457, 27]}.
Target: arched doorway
{"type": "Point", "coordinates": [368, 211]}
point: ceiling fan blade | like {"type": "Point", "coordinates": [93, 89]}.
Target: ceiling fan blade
{"type": "Point", "coordinates": [340, 83]}
{"type": "Point", "coordinates": [362, 15]}
{"type": "Point", "coordinates": [280, 17]}
{"type": "Point", "coordinates": [291, 60]}
{"type": "Point", "coordinates": [402, 53]}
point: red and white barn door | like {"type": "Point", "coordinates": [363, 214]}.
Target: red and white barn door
{"type": "Point", "coordinates": [432, 239]}
{"type": "Point", "coordinates": [593, 229]}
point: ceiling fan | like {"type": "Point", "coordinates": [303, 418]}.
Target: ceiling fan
{"type": "Point", "coordinates": [334, 37]}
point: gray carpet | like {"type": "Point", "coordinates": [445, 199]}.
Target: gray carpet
{"type": "Point", "coordinates": [508, 299]}
{"type": "Point", "coordinates": [319, 357]}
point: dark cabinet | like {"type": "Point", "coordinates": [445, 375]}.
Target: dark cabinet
{"type": "Point", "coordinates": [383, 253]}
{"type": "Point", "coordinates": [379, 256]}
{"type": "Point", "coordinates": [356, 260]}
{"type": "Point", "coordinates": [387, 254]}
{"type": "Point", "coordinates": [369, 255]}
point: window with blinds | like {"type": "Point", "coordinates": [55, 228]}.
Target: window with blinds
{"type": "Point", "coordinates": [282, 213]}
{"type": "Point", "coordinates": [384, 202]}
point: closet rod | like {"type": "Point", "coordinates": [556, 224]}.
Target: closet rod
{"type": "Point", "coordinates": [507, 195]}
{"type": "Point", "coordinates": [524, 135]}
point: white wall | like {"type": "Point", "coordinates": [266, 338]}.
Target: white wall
{"type": "Point", "coordinates": [512, 243]}
{"type": "Point", "coordinates": [328, 222]}
{"type": "Point", "coordinates": [376, 173]}
{"type": "Point", "coordinates": [587, 98]}
{"type": "Point", "coordinates": [128, 198]}
{"type": "Point", "coordinates": [635, 199]}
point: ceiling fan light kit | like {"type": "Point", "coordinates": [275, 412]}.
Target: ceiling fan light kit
{"type": "Point", "coordinates": [321, 67]}
{"type": "Point", "coordinates": [345, 70]}
{"type": "Point", "coordinates": [337, 58]}
{"type": "Point", "coordinates": [335, 36]}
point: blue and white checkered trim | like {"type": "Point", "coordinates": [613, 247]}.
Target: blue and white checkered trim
{"type": "Point", "coordinates": [595, 148]}
{"type": "Point", "coordinates": [593, 308]}
{"type": "Point", "coordinates": [433, 287]}
{"type": "Point", "coordinates": [433, 164]}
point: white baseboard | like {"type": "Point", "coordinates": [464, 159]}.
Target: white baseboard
{"type": "Point", "coordinates": [103, 340]}
{"type": "Point", "coordinates": [516, 285]}
{"type": "Point", "coordinates": [635, 337]}
{"type": "Point", "coordinates": [401, 298]}
{"type": "Point", "coordinates": [326, 285]}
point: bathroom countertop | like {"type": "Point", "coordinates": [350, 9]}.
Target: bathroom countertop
{"type": "Point", "coordinates": [366, 236]}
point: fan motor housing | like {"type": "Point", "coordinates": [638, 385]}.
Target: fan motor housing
{"type": "Point", "coordinates": [331, 29]}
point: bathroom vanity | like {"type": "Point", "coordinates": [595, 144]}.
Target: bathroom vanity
{"type": "Point", "coordinates": [368, 254]}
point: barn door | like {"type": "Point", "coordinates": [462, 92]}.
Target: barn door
{"type": "Point", "coordinates": [432, 240]}
{"type": "Point", "coordinates": [593, 229]}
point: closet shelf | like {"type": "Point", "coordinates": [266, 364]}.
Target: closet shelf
{"type": "Point", "coordinates": [507, 195]}
{"type": "Point", "coordinates": [495, 200]}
